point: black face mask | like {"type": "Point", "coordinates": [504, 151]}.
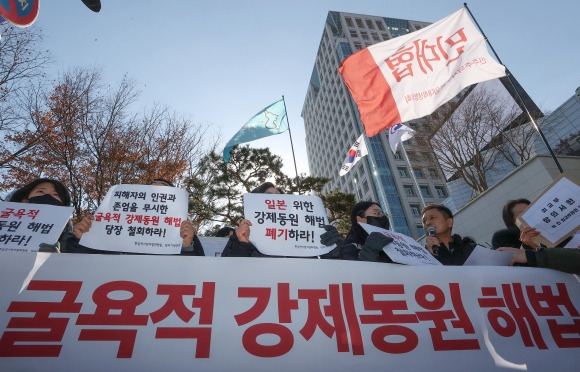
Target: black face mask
{"type": "Point", "coordinates": [45, 199]}
{"type": "Point", "coordinates": [382, 222]}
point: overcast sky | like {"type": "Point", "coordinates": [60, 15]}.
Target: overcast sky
{"type": "Point", "coordinates": [221, 61]}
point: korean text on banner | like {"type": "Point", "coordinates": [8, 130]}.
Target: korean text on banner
{"type": "Point", "coordinates": [139, 219]}
{"type": "Point", "coordinates": [286, 225]}
{"type": "Point", "coordinates": [147, 313]}
{"type": "Point", "coordinates": [24, 227]}
{"type": "Point", "coordinates": [411, 75]}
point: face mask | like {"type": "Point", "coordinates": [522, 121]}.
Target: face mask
{"type": "Point", "coordinates": [45, 199]}
{"type": "Point", "coordinates": [382, 222]}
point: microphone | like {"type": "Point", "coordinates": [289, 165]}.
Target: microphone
{"type": "Point", "coordinates": [432, 232]}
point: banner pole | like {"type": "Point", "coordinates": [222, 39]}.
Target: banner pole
{"type": "Point", "coordinates": [292, 146]}
{"type": "Point", "coordinates": [508, 74]}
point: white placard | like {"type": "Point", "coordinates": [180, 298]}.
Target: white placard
{"type": "Point", "coordinates": [482, 256]}
{"type": "Point", "coordinates": [24, 226]}
{"type": "Point", "coordinates": [139, 219]}
{"type": "Point", "coordinates": [555, 214]}
{"type": "Point", "coordinates": [403, 249]}
{"type": "Point", "coordinates": [286, 225]}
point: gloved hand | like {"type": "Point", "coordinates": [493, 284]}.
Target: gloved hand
{"type": "Point", "coordinates": [373, 246]}
{"type": "Point", "coordinates": [331, 236]}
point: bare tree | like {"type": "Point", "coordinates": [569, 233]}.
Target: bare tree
{"type": "Point", "coordinates": [22, 65]}
{"type": "Point", "coordinates": [466, 143]}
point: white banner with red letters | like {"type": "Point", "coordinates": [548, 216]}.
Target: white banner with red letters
{"type": "Point", "coordinates": [139, 219]}
{"type": "Point", "coordinates": [74, 312]}
{"type": "Point", "coordinates": [286, 224]}
{"type": "Point", "coordinates": [410, 76]}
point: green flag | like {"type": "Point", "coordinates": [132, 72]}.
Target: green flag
{"type": "Point", "coordinates": [267, 122]}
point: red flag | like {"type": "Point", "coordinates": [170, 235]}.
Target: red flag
{"type": "Point", "coordinates": [410, 76]}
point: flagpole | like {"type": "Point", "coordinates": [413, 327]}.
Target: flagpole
{"type": "Point", "coordinates": [413, 176]}
{"type": "Point", "coordinates": [292, 146]}
{"type": "Point", "coordinates": [508, 74]}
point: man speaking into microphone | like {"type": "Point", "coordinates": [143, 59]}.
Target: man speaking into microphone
{"type": "Point", "coordinates": [448, 248]}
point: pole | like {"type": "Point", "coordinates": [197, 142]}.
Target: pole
{"type": "Point", "coordinates": [292, 146]}
{"type": "Point", "coordinates": [533, 121]}
{"type": "Point", "coordinates": [413, 176]}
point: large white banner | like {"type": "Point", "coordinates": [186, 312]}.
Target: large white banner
{"type": "Point", "coordinates": [74, 312]}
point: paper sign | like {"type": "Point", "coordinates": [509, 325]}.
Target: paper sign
{"type": "Point", "coordinates": [482, 256]}
{"type": "Point", "coordinates": [286, 225]}
{"type": "Point", "coordinates": [555, 213]}
{"type": "Point", "coordinates": [403, 249]}
{"type": "Point", "coordinates": [24, 226]}
{"type": "Point", "coordinates": [139, 219]}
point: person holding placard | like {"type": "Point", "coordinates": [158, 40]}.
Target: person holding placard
{"type": "Point", "coordinates": [449, 249]}
{"type": "Point", "coordinates": [359, 245]}
{"type": "Point", "coordinates": [239, 244]}
{"type": "Point", "coordinates": [561, 259]}
{"type": "Point", "coordinates": [191, 245]}
{"type": "Point", "coordinates": [45, 191]}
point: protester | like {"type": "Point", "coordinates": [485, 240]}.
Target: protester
{"type": "Point", "coordinates": [239, 244]}
{"type": "Point", "coordinates": [510, 236]}
{"type": "Point", "coordinates": [359, 245]}
{"type": "Point", "coordinates": [45, 191]}
{"type": "Point", "coordinates": [448, 248]}
{"type": "Point", "coordinates": [191, 245]}
{"type": "Point", "coordinates": [225, 232]}
{"type": "Point", "coordinates": [561, 259]}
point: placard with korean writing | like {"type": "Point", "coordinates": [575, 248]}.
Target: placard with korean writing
{"type": "Point", "coordinates": [286, 225]}
{"type": "Point", "coordinates": [403, 249]}
{"type": "Point", "coordinates": [139, 219]}
{"type": "Point", "coordinates": [24, 226]}
{"type": "Point", "coordinates": [555, 213]}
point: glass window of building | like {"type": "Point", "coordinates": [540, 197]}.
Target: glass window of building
{"type": "Point", "coordinates": [402, 172]}
{"type": "Point", "coordinates": [441, 191]}
{"type": "Point", "coordinates": [364, 35]}
{"type": "Point", "coordinates": [411, 156]}
{"type": "Point", "coordinates": [353, 33]}
{"type": "Point", "coordinates": [349, 22]}
{"type": "Point", "coordinates": [359, 22]}
{"type": "Point", "coordinates": [369, 24]}
{"type": "Point", "coordinates": [432, 173]}
{"type": "Point", "coordinates": [425, 190]}
{"type": "Point", "coordinates": [397, 155]}
{"type": "Point", "coordinates": [415, 209]}
{"type": "Point", "coordinates": [420, 230]}
{"type": "Point", "coordinates": [418, 173]}
{"type": "Point", "coordinates": [409, 190]}
{"type": "Point", "coordinates": [380, 25]}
